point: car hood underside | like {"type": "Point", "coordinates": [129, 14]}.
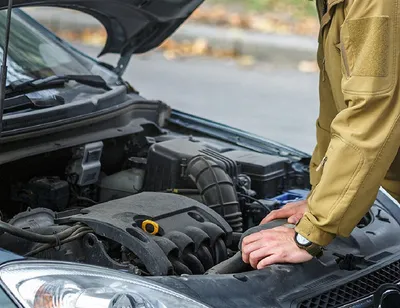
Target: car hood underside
{"type": "Point", "coordinates": [133, 26]}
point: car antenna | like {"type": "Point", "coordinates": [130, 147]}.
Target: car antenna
{"type": "Point", "coordinates": [3, 74]}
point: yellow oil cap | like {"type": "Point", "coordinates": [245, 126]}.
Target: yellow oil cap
{"type": "Point", "coordinates": [150, 227]}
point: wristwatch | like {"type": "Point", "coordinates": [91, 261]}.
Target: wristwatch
{"type": "Point", "coordinates": [303, 243]}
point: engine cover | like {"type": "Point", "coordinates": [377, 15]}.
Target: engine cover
{"type": "Point", "coordinates": [185, 236]}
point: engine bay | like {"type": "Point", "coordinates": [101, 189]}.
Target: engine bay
{"type": "Point", "coordinates": [150, 205]}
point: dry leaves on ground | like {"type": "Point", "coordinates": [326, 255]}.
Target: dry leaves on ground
{"type": "Point", "coordinates": [200, 47]}
{"type": "Point", "coordinates": [281, 23]}
{"type": "Point", "coordinates": [173, 50]}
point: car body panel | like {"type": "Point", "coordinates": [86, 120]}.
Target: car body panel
{"type": "Point", "coordinates": [7, 256]}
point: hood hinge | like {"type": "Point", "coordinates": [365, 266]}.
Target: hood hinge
{"type": "Point", "coordinates": [124, 61]}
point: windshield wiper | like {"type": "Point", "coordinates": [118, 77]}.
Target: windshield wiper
{"type": "Point", "coordinates": [24, 102]}
{"type": "Point", "coordinates": [18, 87]}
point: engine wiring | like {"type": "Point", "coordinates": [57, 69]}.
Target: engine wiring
{"type": "Point", "coordinates": [254, 200]}
{"type": "Point", "coordinates": [72, 180]}
{"type": "Point", "coordinates": [35, 237]}
{"type": "Point", "coordinates": [79, 233]}
{"type": "Point", "coordinates": [49, 241]}
{"type": "Point", "coordinates": [85, 199]}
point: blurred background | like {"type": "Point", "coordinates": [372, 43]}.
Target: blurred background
{"type": "Point", "coordinates": [249, 64]}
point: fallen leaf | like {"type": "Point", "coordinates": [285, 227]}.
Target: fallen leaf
{"type": "Point", "coordinates": [170, 55]}
{"type": "Point", "coordinates": [200, 47]}
{"type": "Point", "coordinates": [246, 61]}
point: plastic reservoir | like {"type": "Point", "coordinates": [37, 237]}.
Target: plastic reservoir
{"type": "Point", "coordinates": [291, 196]}
{"type": "Point", "coordinates": [121, 184]}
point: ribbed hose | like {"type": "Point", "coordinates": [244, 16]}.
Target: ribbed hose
{"type": "Point", "coordinates": [217, 190]}
{"type": "Point", "coordinates": [180, 268]}
{"type": "Point", "coordinates": [193, 263]}
{"type": "Point", "coordinates": [205, 257]}
{"type": "Point", "coordinates": [220, 251]}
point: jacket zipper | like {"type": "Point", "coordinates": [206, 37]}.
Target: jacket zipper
{"type": "Point", "coordinates": [323, 69]}
{"type": "Point", "coordinates": [322, 164]}
{"type": "Point", "coordinates": [344, 56]}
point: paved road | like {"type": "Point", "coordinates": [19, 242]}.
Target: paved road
{"type": "Point", "coordinates": [276, 103]}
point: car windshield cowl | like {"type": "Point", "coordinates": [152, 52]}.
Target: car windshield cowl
{"type": "Point", "coordinates": [55, 81]}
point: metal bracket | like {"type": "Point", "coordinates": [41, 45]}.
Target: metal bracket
{"type": "Point", "coordinates": [124, 61]}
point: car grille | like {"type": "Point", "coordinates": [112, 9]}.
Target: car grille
{"type": "Point", "coordinates": [354, 290]}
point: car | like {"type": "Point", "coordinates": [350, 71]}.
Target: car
{"type": "Point", "coordinates": [109, 199]}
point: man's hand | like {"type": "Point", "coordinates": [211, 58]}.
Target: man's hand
{"type": "Point", "coordinates": [292, 211]}
{"type": "Point", "coordinates": [272, 246]}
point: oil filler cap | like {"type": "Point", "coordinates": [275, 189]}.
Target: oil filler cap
{"type": "Point", "coordinates": [150, 227]}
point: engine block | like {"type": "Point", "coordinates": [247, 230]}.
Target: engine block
{"type": "Point", "coordinates": [169, 233]}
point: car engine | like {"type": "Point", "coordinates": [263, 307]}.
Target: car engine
{"type": "Point", "coordinates": [159, 205]}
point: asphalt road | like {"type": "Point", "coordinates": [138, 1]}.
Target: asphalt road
{"type": "Point", "coordinates": [276, 103]}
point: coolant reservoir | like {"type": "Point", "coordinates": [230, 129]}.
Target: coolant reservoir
{"type": "Point", "coordinates": [121, 184]}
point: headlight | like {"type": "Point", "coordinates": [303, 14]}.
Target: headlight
{"type": "Point", "coordinates": [37, 284]}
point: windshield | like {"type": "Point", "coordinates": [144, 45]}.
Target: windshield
{"type": "Point", "coordinates": [34, 55]}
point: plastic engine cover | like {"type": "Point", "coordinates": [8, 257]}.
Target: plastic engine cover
{"type": "Point", "coordinates": [168, 160]}
{"type": "Point", "coordinates": [183, 225]}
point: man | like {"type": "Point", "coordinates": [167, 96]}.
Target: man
{"type": "Point", "coordinates": [358, 132]}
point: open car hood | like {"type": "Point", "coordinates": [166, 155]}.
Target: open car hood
{"type": "Point", "coordinates": [133, 26]}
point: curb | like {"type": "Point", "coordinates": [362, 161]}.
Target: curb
{"type": "Point", "coordinates": [278, 49]}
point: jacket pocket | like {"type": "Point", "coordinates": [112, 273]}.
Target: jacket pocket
{"type": "Point", "coordinates": [367, 51]}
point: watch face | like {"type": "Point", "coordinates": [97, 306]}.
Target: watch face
{"type": "Point", "coordinates": [302, 240]}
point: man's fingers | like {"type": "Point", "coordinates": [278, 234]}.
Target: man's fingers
{"type": "Point", "coordinates": [293, 205]}
{"type": "Point", "coordinates": [271, 259]}
{"type": "Point", "coordinates": [279, 214]}
{"type": "Point", "coordinates": [294, 219]}
{"type": "Point", "coordinates": [245, 258]}
{"type": "Point", "coordinates": [255, 242]}
{"type": "Point", "coordinates": [255, 237]}
{"type": "Point", "coordinates": [249, 248]}
{"type": "Point", "coordinates": [256, 256]}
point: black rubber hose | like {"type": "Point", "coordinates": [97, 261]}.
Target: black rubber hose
{"type": "Point", "coordinates": [35, 237]}
{"type": "Point", "coordinates": [205, 257]}
{"type": "Point", "coordinates": [231, 266]}
{"type": "Point", "coordinates": [180, 268]}
{"type": "Point", "coordinates": [216, 189]}
{"type": "Point", "coordinates": [193, 263]}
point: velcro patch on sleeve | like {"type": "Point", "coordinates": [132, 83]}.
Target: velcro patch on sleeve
{"type": "Point", "coordinates": [369, 45]}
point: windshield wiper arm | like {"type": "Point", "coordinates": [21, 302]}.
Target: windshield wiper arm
{"type": "Point", "coordinates": [55, 81]}
{"type": "Point", "coordinates": [24, 102]}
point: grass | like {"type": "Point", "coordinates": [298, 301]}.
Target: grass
{"type": "Point", "coordinates": [300, 8]}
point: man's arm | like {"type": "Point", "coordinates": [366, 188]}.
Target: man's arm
{"type": "Point", "coordinates": [365, 136]}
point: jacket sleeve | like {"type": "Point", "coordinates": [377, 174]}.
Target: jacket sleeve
{"type": "Point", "coordinates": [365, 137]}
{"type": "Point", "coordinates": [327, 113]}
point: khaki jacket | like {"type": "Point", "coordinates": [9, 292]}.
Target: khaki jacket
{"type": "Point", "coordinates": [358, 129]}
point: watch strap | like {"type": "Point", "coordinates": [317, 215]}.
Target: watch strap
{"type": "Point", "coordinates": [314, 250]}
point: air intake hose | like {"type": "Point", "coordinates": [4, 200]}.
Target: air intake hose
{"type": "Point", "coordinates": [217, 189]}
